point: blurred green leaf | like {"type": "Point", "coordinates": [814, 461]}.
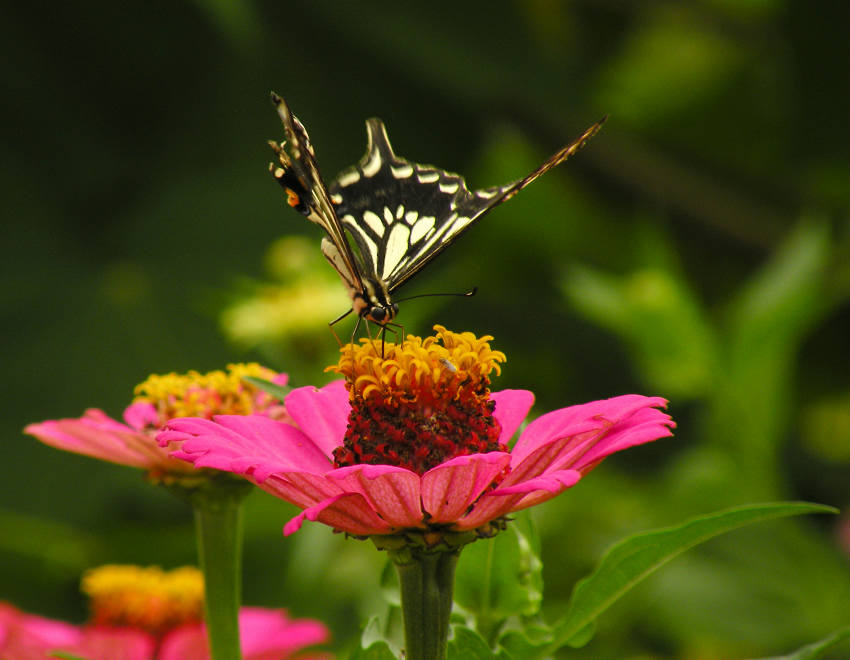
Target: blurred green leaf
{"type": "Point", "coordinates": [526, 644]}
{"type": "Point", "coordinates": [373, 644]}
{"type": "Point", "coordinates": [375, 651]}
{"type": "Point", "coordinates": [669, 63]}
{"type": "Point", "coordinates": [501, 577]}
{"type": "Point", "coordinates": [277, 391]}
{"type": "Point", "coordinates": [826, 427]}
{"type": "Point", "coordinates": [766, 324]}
{"type": "Point", "coordinates": [631, 560]}
{"type": "Point", "coordinates": [466, 643]}
{"type": "Point", "coordinates": [654, 311]}
{"type": "Point", "coordinates": [815, 649]}
{"type": "Point", "coordinates": [60, 546]}
{"type": "Point", "coordinates": [237, 21]}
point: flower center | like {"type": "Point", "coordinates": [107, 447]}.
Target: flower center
{"type": "Point", "coordinates": [203, 395]}
{"type": "Point", "coordinates": [146, 598]}
{"type": "Point", "coordinates": [424, 403]}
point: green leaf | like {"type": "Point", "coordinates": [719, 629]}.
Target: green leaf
{"type": "Point", "coordinates": [658, 316]}
{"type": "Point", "coordinates": [468, 644]}
{"type": "Point", "coordinates": [765, 327]}
{"type": "Point", "coordinates": [374, 636]}
{"type": "Point", "coordinates": [376, 651]}
{"type": "Point", "coordinates": [631, 560]}
{"type": "Point", "coordinates": [815, 649]}
{"type": "Point", "coordinates": [501, 577]}
{"type": "Point", "coordinates": [529, 643]}
{"type": "Point", "coordinates": [389, 585]}
{"type": "Point", "coordinates": [277, 391]}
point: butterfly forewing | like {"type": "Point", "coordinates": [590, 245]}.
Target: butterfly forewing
{"type": "Point", "coordinates": [403, 214]}
{"type": "Point", "coordinates": [299, 175]}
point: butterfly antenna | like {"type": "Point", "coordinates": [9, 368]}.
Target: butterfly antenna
{"type": "Point", "coordinates": [465, 294]}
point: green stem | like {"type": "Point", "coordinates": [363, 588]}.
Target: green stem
{"type": "Point", "coordinates": [218, 526]}
{"type": "Point", "coordinates": [427, 584]}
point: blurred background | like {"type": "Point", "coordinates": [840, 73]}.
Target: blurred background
{"type": "Point", "coordinates": [697, 249]}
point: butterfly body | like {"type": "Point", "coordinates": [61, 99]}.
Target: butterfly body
{"type": "Point", "coordinates": [398, 215]}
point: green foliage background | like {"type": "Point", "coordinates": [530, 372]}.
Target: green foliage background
{"type": "Point", "coordinates": [698, 249]}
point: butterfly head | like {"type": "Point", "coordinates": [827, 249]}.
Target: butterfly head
{"type": "Point", "coordinates": [373, 303]}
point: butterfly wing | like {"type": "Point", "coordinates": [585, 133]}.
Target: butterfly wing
{"type": "Point", "coordinates": [402, 214]}
{"type": "Point", "coordinates": [298, 174]}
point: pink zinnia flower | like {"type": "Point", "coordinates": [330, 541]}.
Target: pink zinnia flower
{"type": "Point", "coordinates": [149, 614]}
{"type": "Point", "coordinates": [29, 637]}
{"type": "Point", "coordinates": [416, 443]}
{"type": "Point", "coordinates": [158, 399]}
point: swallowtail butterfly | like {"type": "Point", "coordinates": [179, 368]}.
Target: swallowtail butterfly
{"type": "Point", "coordinates": [397, 214]}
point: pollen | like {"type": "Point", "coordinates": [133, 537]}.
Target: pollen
{"type": "Point", "coordinates": [194, 394]}
{"type": "Point", "coordinates": [425, 402]}
{"type": "Point", "coordinates": [146, 598]}
{"type": "Point", "coordinates": [443, 367]}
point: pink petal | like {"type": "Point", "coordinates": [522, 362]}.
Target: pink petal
{"type": "Point", "coordinates": [551, 456]}
{"type": "Point", "coordinates": [577, 420]}
{"type": "Point", "coordinates": [450, 488]}
{"type": "Point", "coordinates": [98, 436]}
{"type": "Point", "coordinates": [188, 642]}
{"type": "Point", "coordinates": [264, 634]}
{"type": "Point", "coordinates": [245, 444]}
{"type": "Point", "coordinates": [393, 492]}
{"type": "Point", "coordinates": [640, 427]}
{"type": "Point", "coordinates": [558, 447]}
{"type": "Point", "coordinates": [321, 414]}
{"type": "Point", "coordinates": [512, 406]}
{"type": "Point", "coordinates": [551, 482]}
{"type": "Point", "coordinates": [141, 415]}
{"type": "Point", "coordinates": [502, 501]}
{"type": "Point", "coordinates": [23, 633]}
{"type": "Point", "coordinates": [550, 427]}
{"type": "Point", "coordinates": [564, 440]}
{"type": "Point", "coordinates": [348, 512]}
{"type": "Point", "coordinates": [301, 488]}
{"type": "Point", "coordinates": [103, 643]}
{"type": "Point", "coordinates": [270, 633]}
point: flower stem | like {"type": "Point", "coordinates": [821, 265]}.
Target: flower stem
{"type": "Point", "coordinates": [427, 584]}
{"type": "Point", "coordinates": [218, 527]}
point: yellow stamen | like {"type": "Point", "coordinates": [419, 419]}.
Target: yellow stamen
{"type": "Point", "coordinates": [202, 395]}
{"type": "Point", "coordinates": [144, 597]}
{"type": "Point", "coordinates": [441, 366]}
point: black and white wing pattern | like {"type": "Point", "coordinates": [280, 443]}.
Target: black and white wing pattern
{"type": "Point", "coordinates": [306, 192]}
{"type": "Point", "coordinates": [401, 214]}
{"type": "Point", "coordinates": [398, 214]}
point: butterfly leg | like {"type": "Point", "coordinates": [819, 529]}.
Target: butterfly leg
{"type": "Point", "coordinates": [337, 320]}
{"type": "Point", "coordinates": [397, 333]}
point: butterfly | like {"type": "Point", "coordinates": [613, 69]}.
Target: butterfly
{"type": "Point", "coordinates": [385, 218]}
